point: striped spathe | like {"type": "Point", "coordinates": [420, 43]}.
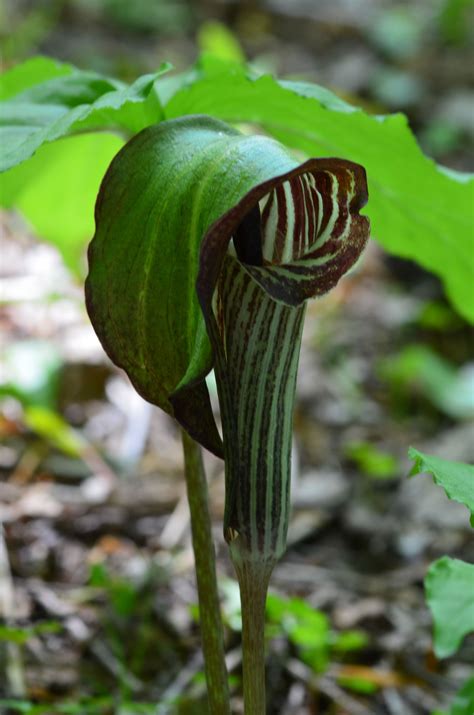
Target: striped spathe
{"type": "Point", "coordinates": [288, 240]}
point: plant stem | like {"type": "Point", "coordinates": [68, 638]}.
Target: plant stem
{"type": "Point", "coordinates": [204, 555]}
{"type": "Point", "coordinates": [253, 582]}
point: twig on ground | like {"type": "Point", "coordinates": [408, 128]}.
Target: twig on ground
{"type": "Point", "coordinates": [115, 666]}
{"type": "Point", "coordinates": [327, 686]}
{"type": "Point", "coordinates": [186, 674]}
{"type": "Point", "coordinates": [14, 669]}
{"type": "Point", "coordinates": [395, 703]}
{"type": "Point", "coordinates": [176, 525]}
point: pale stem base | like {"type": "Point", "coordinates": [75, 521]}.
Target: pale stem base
{"type": "Point", "coordinates": [253, 581]}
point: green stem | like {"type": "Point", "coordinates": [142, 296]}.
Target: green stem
{"type": "Point", "coordinates": [204, 555]}
{"type": "Point", "coordinates": [253, 582]}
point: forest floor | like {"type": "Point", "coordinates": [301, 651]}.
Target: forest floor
{"type": "Point", "coordinates": [103, 597]}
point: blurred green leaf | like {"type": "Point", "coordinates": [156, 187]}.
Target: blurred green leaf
{"type": "Point", "coordinates": [56, 189]}
{"type": "Point", "coordinates": [456, 478]}
{"type": "Point", "coordinates": [52, 427]}
{"type": "Point", "coordinates": [165, 16]}
{"type": "Point", "coordinates": [449, 586]}
{"type": "Point", "coordinates": [134, 708]}
{"type": "Point", "coordinates": [20, 706]}
{"type": "Point", "coordinates": [436, 315]}
{"type": "Point", "coordinates": [99, 576]}
{"type": "Point", "coordinates": [306, 627]}
{"type": "Point", "coordinates": [216, 39]}
{"type": "Point", "coordinates": [27, 28]}
{"type": "Point", "coordinates": [123, 597]}
{"type": "Point", "coordinates": [372, 461]}
{"type": "Point", "coordinates": [454, 20]}
{"type": "Point", "coordinates": [417, 369]}
{"type": "Point", "coordinates": [441, 137]}
{"type": "Point", "coordinates": [358, 685]}
{"type": "Point", "coordinates": [33, 71]}
{"type": "Point", "coordinates": [30, 375]}
{"type": "Point", "coordinates": [310, 631]}
{"type": "Point", "coordinates": [30, 372]}
{"type": "Point", "coordinates": [275, 607]}
{"type": "Point", "coordinates": [71, 103]}
{"type": "Point", "coordinates": [349, 641]}
{"type": "Point", "coordinates": [464, 701]}
{"type": "Point", "coordinates": [398, 31]}
{"type": "Point", "coordinates": [14, 635]}
{"type": "Point", "coordinates": [123, 594]}
{"type": "Point", "coordinates": [20, 635]}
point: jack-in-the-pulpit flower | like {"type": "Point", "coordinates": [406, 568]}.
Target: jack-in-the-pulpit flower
{"type": "Point", "coordinates": [208, 243]}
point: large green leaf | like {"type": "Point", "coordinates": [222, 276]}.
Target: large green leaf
{"type": "Point", "coordinates": [56, 190]}
{"type": "Point", "coordinates": [449, 586]}
{"type": "Point", "coordinates": [417, 210]}
{"type": "Point", "coordinates": [27, 74]}
{"type": "Point", "coordinates": [456, 478]}
{"type": "Point", "coordinates": [68, 103]}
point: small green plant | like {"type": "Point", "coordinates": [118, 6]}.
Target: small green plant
{"type": "Point", "coordinates": [374, 463]}
{"type": "Point", "coordinates": [308, 630]}
{"type": "Point", "coordinates": [419, 372]}
{"type": "Point", "coordinates": [449, 583]}
{"type": "Point", "coordinates": [208, 243]}
{"type": "Point", "coordinates": [20, 635]}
